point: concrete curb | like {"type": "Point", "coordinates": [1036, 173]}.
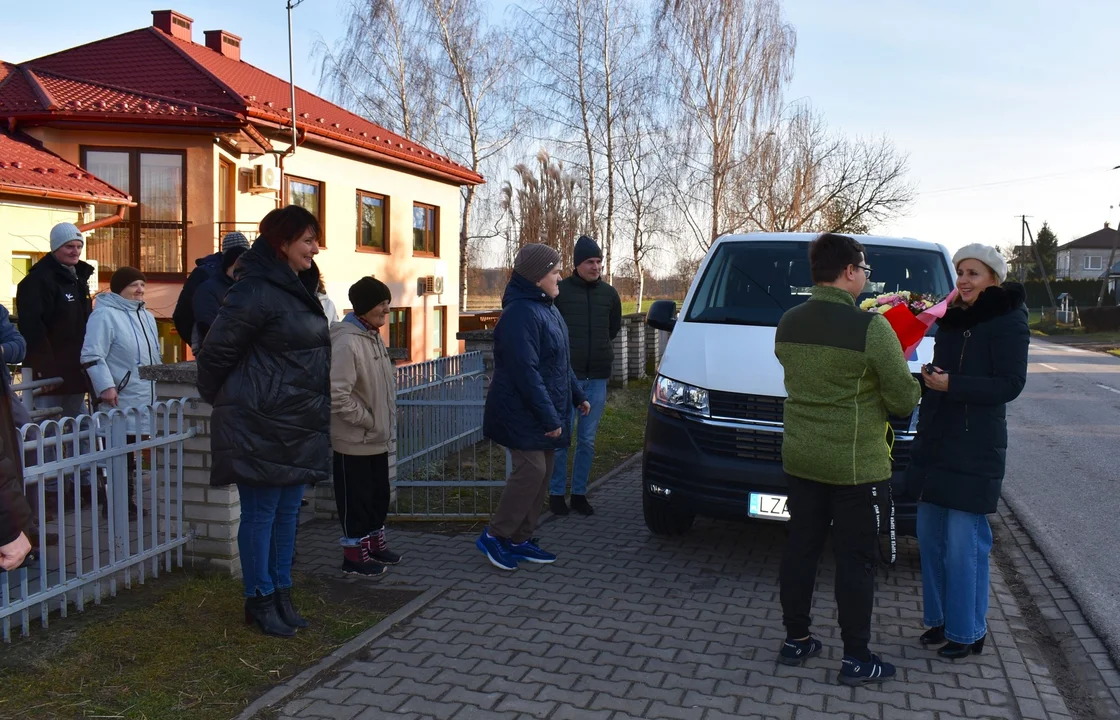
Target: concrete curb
{"type": "Point", "coordinates": [282, 692]}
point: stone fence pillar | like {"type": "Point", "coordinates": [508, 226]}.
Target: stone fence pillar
{"type": "Point", "coordinates": [654, 348]}
{"type": "Point", "coordinates": [636, 345]}
{"type": "Point", "coordinates": [620, 372]}
{"type": "Point", "coordinates": [212, 513]}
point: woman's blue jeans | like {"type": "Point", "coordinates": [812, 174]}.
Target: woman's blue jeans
{"type": "Point", "coordinates": [267, 537]}
{"type": "Point", "coordinates": [955, 546]}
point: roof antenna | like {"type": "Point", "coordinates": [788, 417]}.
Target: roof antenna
{"type": "Point", "coordinates": [292, 4]}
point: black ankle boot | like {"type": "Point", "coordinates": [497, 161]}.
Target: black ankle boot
{"type": "Point", "coordinates": [958, 651]}
{"type": "Point", "coordinates": [262, 611]}
{"type": "Point", "coordinates": [580, 505]}
{"type": "Point", "coordinates": [933, 636]}
{"type": "Point", "coordinates": [287, 613]}
{"type": "Point", "coordinates": [557, 505]}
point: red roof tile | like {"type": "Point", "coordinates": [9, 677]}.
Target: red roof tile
{"type": "Point", "coordinates": [151, 73]}
{"type": "Point", "coordinates": [27, 169]}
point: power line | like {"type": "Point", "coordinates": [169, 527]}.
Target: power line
{"type": "Point", "coordinates": [996, 183]}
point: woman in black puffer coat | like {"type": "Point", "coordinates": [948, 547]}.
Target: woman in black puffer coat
{"type": "Point", "coordinates": [958, 460]}
{"type": "Point", "coordinates": [265, 367]}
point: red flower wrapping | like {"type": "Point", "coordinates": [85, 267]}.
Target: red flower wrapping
{"type": "Point", "coordinates": [906, 326]}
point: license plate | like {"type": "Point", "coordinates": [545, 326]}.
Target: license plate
{"type": "Point", "coordinates": [769, 507]}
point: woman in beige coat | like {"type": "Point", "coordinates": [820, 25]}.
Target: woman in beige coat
{"type": "Point", "coordinates": [363, 428]}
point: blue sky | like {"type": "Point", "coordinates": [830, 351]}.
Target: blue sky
{"type": "Point", "coordinates": [987, 93]}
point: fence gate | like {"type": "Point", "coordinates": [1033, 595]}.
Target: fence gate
{"type": "Point", "coordinates": [446, 470]}
{"type": "Point", "coordinates": [108, 491]}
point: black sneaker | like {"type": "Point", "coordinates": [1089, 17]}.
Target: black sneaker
{"type": "Point", "coordinates": [796, 652]}
{"type": "Point", "coordinates": [356, 561]}
{"type": "Point", "coordinates": [378, 550]}
{"type": "Point", "coordinates": [581, 506]}
{"type": "Point", "coordinates": [557, 505]}
{"type": "Point", "coordinates": [858, 672]}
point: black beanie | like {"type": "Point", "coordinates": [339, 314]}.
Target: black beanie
{"type": "Point", "coordinates": [368, 293]}
{"type": "Point", "coordinates": [586, 248]}
{"type": "Point", "coordinates": [124, 277]}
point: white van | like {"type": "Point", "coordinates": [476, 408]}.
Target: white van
{"type": "Point", "coordinates": [713, 443]}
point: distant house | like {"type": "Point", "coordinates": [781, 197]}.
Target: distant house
{"type": "Point", "coordinates": [1086, 257]}
{"type": "Point", "coordinates": [199, 139]}
{"type": "Point", "coordinates": [37, 190]}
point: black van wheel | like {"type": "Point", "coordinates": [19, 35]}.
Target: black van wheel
{"type": "Point", "coordinates": [663, 519]}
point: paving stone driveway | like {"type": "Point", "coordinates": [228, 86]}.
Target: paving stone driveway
{"type": "Point", "coordinates": [628, 625]}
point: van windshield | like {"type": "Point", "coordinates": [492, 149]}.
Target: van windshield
{"type": "Point", "coordinates": [753, 283]}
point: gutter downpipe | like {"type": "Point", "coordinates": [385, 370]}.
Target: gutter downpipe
{"type": "Point", "coordinates": [105, 221]}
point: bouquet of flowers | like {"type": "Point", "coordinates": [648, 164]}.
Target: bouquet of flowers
{"type": "Point", "coordinates": [910, 315]}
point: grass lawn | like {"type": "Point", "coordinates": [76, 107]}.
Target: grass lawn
{"type": "Point", "coordinates": [176, 647]}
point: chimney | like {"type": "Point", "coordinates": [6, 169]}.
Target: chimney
{"type": "Point", "coordinates": [175, 24]}
{"type": "Point", "coordinates": [225, 43]}
{"type": "Point", "coordinates": [1105, 224]}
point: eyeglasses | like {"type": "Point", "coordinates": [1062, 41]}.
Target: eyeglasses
{"type": "Point", "coordinates": [866, 270]}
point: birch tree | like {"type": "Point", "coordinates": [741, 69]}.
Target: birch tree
{"type": "Point", "coordinates": [729, 61]}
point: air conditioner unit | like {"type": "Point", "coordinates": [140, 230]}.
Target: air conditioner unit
{"type": "Point", "coordinates": [430, 285]}
{"type": "Point", "coordinates": [266, 178]}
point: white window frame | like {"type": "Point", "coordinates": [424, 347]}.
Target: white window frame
{"type": "Point", "coordinates": [1088, 264]}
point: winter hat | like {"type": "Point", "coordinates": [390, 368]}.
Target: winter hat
{"type": "Point", "coordinates": [63, 233]}
{"type": "Point", "coordinates": [230, 255]}
{"type": "Point", "coordinates": [124, 277]}
{"type": "Point", "coordinates": [586, 248]}
{"type": "Point", "coordinates": [234, 239]}
{"type": "Point", "coordinates": [985, 254]}
{"type": "Point", "coordinates": [535, 261]}
{"type": "Point", "coordinates": [368, 293]}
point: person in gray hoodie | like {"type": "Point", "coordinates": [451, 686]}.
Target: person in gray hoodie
{"type": "Point", "coordinates": [363, 428]}
{"type": "Point", "coordinates": [121, 336]}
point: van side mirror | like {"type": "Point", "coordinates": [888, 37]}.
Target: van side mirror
{"type": "Point", "coordinates": [662, 315]}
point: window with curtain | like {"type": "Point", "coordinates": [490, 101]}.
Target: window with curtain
{"type": "Point", "coordinates": [152, 235]}
{"type": "Point", "coordinates": [373, 230]}
{"type": "Point", "coordinates": [439, 332]}
{"type": "Point", "coordinates": [425, 233]}
{"type": "Point", "coordinates": [308, 194]}
{"type": "Point", "coordinates": [400, 329]}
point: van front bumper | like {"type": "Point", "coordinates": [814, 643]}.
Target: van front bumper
{"type": "Point", "coordinates": [711, 468]}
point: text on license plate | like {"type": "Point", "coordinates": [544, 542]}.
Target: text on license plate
{"type": "Point", "coordinates": [771, 507]}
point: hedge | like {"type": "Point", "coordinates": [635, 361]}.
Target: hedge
{"type": "Point", "coordinates": [1084, 292]}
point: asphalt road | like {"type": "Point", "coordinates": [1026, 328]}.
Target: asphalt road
{"type": "Point", "coordinates": [1063, 474]}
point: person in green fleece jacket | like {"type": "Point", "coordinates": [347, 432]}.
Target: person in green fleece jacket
{"type": "Point", "coordinates": [844, 374]}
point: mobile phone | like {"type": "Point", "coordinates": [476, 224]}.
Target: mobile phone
{"type": "Point", "coordinates": [930, 370]}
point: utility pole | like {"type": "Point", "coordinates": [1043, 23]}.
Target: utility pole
{"type": "Point", "coordinates": [1041, 267]}
{"type": "Point", "coordinates": [1108, 268]}
{"type": "Point", "coordinates": [292, 4]}
{"type": "Point", "coordinates": [1021, 259]}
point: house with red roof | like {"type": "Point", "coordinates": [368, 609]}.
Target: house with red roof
{"type": "Point", "coordinates": [37, 190]}
{"type": "Point", "coordinates": [177, 142]}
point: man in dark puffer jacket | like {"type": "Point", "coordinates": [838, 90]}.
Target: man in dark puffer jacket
{"type": "Point", "coordinates": [593, 313]}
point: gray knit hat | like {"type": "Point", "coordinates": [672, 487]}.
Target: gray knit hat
{"type": "Point", "coordinates": [535, 261]}
{"type": "Point", "coordinates": [234, 239]}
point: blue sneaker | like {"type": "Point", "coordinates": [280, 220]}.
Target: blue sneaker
{"type": "Point", "coordinates": [796, 652]}
{"type": "Point", "coordinates": [857, 672]}
{"type": "Point", "coordinates": [529, 551]}
{"type": "Point", "coordinates": [497, 551]}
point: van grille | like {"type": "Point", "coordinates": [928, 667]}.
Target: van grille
{"type": "Point", "coordinates": [748, 444]}
{"type": "Point", "coordinates": [766, 408]}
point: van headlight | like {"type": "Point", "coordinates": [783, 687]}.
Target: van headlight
{"type": "Point", "coordinates": [680, 396]}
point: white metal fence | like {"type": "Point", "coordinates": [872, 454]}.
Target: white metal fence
{"type": "Point", "coordinates": [445, 468]}
{"type": "Point", "coordinates": [108, 493]}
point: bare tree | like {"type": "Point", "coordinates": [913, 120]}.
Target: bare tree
{"type": "Point", "coordinates": [382, 68]}
{"type": "Point", "coordinates": [801, 177]}
{"type": "Point", "coordinates": [729, 60]}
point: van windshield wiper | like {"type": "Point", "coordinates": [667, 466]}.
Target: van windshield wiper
{"type": "Point", "coordinates": [718, 318]}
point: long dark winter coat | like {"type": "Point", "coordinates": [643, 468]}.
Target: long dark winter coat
{"type": "Point", "coordinates": [183, 316]}
{"type": "Point", "coordinates": [15, 513]}
{"type": "Point", "coordinates": [959, 455]}
{"type": "Point", "coordinates": [534, 388]}
{"type": "Point", "coordinates": [54, 305]}
{"type": "Point", "coordinates": [265, 367]}
{"type": "Point", "coordinates": [593, 313]}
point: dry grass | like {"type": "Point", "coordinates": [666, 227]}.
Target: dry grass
{"type": "Point", "coordinates": [177, 648]}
